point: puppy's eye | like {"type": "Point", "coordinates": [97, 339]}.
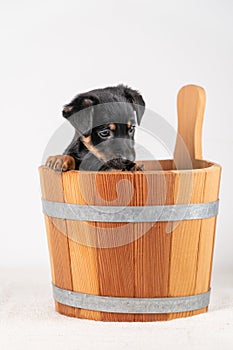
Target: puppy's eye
{"type": "Point", "coordinates": [105, 133]}
{"type": "Point", "coordinates": [131, 129]}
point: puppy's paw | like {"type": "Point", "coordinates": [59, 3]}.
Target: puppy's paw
{"type": "Point", "coordinates": [134, 167]}
{"type": "Point", "coordinates": [60, 163]}
{"type": "Point", "coordinates": [139, 167]}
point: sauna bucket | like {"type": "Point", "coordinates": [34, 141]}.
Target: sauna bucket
{"type": "Point", "coordinates": [137, 256]}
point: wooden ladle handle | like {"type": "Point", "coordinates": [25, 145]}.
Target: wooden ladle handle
{"type": "Point", "coordinates": [190, 107]}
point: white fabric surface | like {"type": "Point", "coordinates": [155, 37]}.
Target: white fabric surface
{"type": "Point", "coordinates": [28, 320]}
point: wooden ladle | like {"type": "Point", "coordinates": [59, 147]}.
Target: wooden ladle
{"type": "Point", "coordinates": [190, 107]}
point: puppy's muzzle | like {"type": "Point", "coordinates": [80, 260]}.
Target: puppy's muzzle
{"type": "Point", "coordinates": [119, 163]}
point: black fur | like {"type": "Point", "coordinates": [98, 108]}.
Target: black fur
{"type": "Point", "coordinates": [92, 112]}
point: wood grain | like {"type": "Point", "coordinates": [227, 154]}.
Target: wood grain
{"type": "Point", "coordinates": [190, 106]}
{"type": "Point", "coordinates": [207, 233]}
{"type": "Point", "coordinates": [52, 189]}
{"type": "Point", "coordinates": [83, 257]}
{"type": "Point", "coordinates": [188, 188]}
{"type": "Point", "coordinates": [116, 247]}
{"type": "Point", "coordinates": [152, 250]}
{"type": "Point", "coordinates": [149, 261]}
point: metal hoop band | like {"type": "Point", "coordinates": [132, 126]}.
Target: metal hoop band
{"type": "Point", "coordinates": [152, 213]}
{"type": "Point", "coordinates": [131, 305]}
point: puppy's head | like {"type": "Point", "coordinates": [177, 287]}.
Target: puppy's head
{"type": "Point", "coordinates": [105, 121]}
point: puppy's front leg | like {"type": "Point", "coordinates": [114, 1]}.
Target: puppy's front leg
{"type": "Point", "coordinates": [61, 163]}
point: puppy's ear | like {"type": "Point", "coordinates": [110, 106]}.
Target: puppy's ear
{"type": "Point", "coordinates": [134, 97]}
{"type": "Point", "coordinates": [78, 103]}
{"type": "Point", "coordinates": [82, 121]}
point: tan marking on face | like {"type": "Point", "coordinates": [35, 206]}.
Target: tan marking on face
{"type": "Point", "coordinates": [67, 108]}
{"type": "Point", "coordinates": [91, 148]}
{"type": "Point", "coordinates": [87, 139]}
{"type": "Point", "coordinates": [129, 124]}
{"type": "Point", "coordinates": [112, 126]}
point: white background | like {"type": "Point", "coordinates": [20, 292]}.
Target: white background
{"type": "Point", "coordinates": [50, 51]}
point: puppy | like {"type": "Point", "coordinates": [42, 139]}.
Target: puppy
{"type": "Point", "coordinates": [104, 122]}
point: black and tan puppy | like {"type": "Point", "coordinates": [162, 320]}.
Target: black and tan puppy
{"type": "Point", "coordinates": [104, 122]}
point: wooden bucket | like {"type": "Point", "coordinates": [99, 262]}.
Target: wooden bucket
{"type": "Point", "coordinates": [136, 246]}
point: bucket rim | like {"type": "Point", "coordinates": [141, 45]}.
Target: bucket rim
{"type": "Point", "coordinates": [208, 166]}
